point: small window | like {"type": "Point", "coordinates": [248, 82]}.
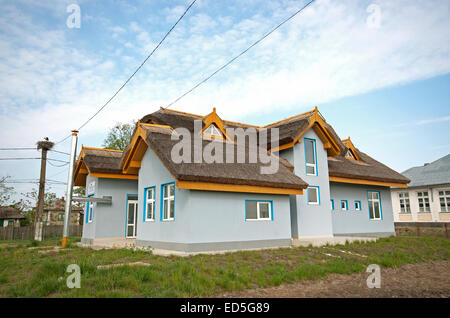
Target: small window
{"type": "Point", "coordinates": [313, 195]}
{"type": "Point", "coordinates": [168, 204]}
{"type": "Point", "coordinates": [332, 204]}
{"type": "Point", "coordinates": [444, 200]}
{"type": "Point", "coordinates": [374, 205]}
{"type": "Point", "coordinates": [212, 130]}
{"type": "Point", "coordinates": [358, 205]}
{"type": "Point", "coordinates": [424, 201]}
{"type": "Point", "coordinates": [258, 210]}
{"type": "Point", "coordinates": [349, 155]}
{"type": "Point", "coordinates": [60, 216]}
{"type": "Point", "coordinates": [90, 211]}
{"type": "Point", "coordinates": [310, 157]}
{"type": "Point", "coordinates": [344, 205]}
{"type": "Point", "coordinates": [405, 206]}
{"type": "Point", "coordinates": [149, 205]}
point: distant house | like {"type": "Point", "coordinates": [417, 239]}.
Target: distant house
{"type": "Point", "coordinates": [54, 214]}
{"type": "Point", "coordinates": [10, 216]}
{"type": "Point", "coordinates": [427, 198]}
{"type": "Point", "coordinates": [324, 186]}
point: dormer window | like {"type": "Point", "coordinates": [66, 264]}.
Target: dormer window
{"type": "Point", "coordinates": [212, 130]}
{"type": "Point", "coordinates": [349, 155]}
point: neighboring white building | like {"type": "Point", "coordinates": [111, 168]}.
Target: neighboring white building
{"type": "Point", "coordinates": [427, 198]}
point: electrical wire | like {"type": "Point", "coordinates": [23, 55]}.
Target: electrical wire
{"type": "Point", "coordinates": [134, 73]}
{"type": "Point", "coordinates": [240, 54]}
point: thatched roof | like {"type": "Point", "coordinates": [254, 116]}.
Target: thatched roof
{"type": "Point", "coordinates": [7, 212]}
{"type": "Point", "coordinates": [224, 173]}
{"type": "Point", "coordinates": [102, 160]}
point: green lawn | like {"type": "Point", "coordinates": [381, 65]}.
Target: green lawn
{"type": "Point", "coordinates": [25, 272]}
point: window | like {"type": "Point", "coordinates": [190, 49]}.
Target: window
{"type": "Point", "coordinates": [212, 130]}
{"type": "Point", "coordinates": [90, 210]}
{"type": "Point", "coordinates": [374, 205]}
{"type": "Point", "coordinates": [313, 195]}
{"type": "Point", "coordinates": [310, 157]}
{"type": "Point", "coordinates": [149, 204]}
{"type": "Point", "coordinates": [332, 204]}
{"type": "Point", "coordinates": [60, 216]}
{"type": "Point", "coordinates": [405, 207]}
{"type": "Point", "coordinates": [444, 200]}
{"type": "Point", "coordinates": [424, 201]}
{"type": "Point", "coordinates": [168, 204]}
{"type": "Point", "coordinates": [358, 205]}
{"type": "Point", "coordinates": [258, 210]}
{"type": "Point", "coordinates": [349, 155]}
{"type": "Point", "coordinates": [344, 205]}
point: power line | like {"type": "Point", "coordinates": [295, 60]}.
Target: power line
{"type": "Point", "coordinates": [240, 54]}
{"type": "Point", "coordinates": [134, 73]}
{"type": "Point", "coordinates": [51, 159]}
{"type": "Point", "coordinates": [65, 153]}
{"type": "Point", "coordinates": [19, 148]}
{"type": "Point", "coordinates": [58, 166]}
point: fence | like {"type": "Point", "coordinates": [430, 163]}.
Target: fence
{"type": "Point", "coordinates": [27, 232]}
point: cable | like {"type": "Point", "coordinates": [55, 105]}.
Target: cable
{"type": "Point", "coordinates": [65, 153]}
{"type": "Point", "coordinates": [57, 166]}
{"type": "Point", "coordinates": [17, 158]}
{"type": "Point", "coordinates": [240, 54]}
{"type": "Point", "coordinates": [132, 75]}
{"type": "Point", "coordinates": [20, 148]}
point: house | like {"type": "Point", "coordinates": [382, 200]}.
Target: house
{"type": "Point", "coordinates": [54, 214]}
{"type": "Point", "coordinates": [10, 216]}
{"type": "Point", "coordinates": [186, 183]}
{"type": "Point", "coordinates": [427, 198]}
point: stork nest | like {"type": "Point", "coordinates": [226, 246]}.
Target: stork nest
{"type": "Point", "coordinates": [45, 144]}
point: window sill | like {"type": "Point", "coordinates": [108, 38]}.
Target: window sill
{"type": "Point", "coordinates": [168, 220]}
{"type": "Point", "coordinates": [424, 212]}
{"type": "Point", "coordinates": [257, 220]}
{"type": "Point", "coordinates": [150, 220]}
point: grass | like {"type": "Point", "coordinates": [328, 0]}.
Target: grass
{"type": "Point", "coordinates": [24, 272]}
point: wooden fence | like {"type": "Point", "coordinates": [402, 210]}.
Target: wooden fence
{"type": "Point", "coordinates": [422, 228]}
{"type": "Point", "coordinates": [27, 232]}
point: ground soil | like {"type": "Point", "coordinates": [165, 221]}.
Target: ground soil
{"type": "Point", "coordinates": [412, 280]}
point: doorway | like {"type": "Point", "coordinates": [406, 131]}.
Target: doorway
{"type": "Point", "coordinates": [132, 209]}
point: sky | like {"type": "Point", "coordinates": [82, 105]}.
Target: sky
{"type": "Point", "coordinates": [377, 70]}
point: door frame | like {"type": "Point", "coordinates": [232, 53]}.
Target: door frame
{"type": "Point", "coordinates": [136, 202]}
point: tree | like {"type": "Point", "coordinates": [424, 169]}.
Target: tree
{"type": "Point", "coordinates": [119, 136]}
{"type": "Point", "coordinates": [5, 191]}
{"type": "Point", "coordinates": [79, 192]}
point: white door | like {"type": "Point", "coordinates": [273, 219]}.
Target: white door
{"type": "Point", "coordinates": [132, 218]}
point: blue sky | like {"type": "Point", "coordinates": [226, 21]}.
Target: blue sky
{"type": "Point", "coordinates": [385, 84]}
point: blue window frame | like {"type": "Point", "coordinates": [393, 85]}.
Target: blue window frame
{"type": "Point", "coordinates": [149, 203]}
{"type": "Point", "coordinates": [332, 204]}
{"type": "Point", "coordinates": [310, 157]}
{"type": "Point", "coordinates": [89, 210]}
{"type": "Point", "coordinates": [167, 212]}
{"type": "Point", "coordinates": [358, 205]}
{"type": "Point", "coordinates": [374, 204]}
{"type": "Point", "coordinates": [344, 205]}
{"type": "Point", "coordinates": [258, 210]}
{"type": "Point", "coordinates": [313, 195]}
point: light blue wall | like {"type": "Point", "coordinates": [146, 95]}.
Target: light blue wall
{"type": "Point", "coordinates": [353, 222]}
{"type": "Point", "coordinates": [206, 216]}
{"type": "Point", "coordinates": [109, 219]}
{"type": "Point", "coordinates": [310, 220]}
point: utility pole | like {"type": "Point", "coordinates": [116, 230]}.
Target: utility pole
{"type": "Point", "coordinates": [44, 145]}
{"type": "Point", "coordinates": [68, 207]}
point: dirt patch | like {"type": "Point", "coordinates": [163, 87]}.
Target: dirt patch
{"type": "Point", "coordinates": [413, 280]}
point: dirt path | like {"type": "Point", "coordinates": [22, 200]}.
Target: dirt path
{"type": "Point", "coordinates": [414, 280]}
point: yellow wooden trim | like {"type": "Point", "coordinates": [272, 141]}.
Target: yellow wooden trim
{"type": "Point", "coordinates": [156, 125]}
{"type": "Point", "coordinates": [213, 118]}
{"type": "Point", "coordinates": [289, 118]}
{"type": "Point", "coordinates": [113, 176]}
{"type": "Point", "coordinates": [113, 150]}
{"type": "Point", "coordinates": [348, 143]}
{"type": "Point", "coordinates": [139, 133]}
{"type": "Point", "coordinates": [135, 164]}
{"type": "Point", "coordinates": [209, 186]}
{"type": "Point", "coordinates": [282, 147]}
{"type": "Point", "coordinates": [368, 182]}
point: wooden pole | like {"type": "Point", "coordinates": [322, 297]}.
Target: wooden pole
{"type": "Point", "coordinates": [44, 146]}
